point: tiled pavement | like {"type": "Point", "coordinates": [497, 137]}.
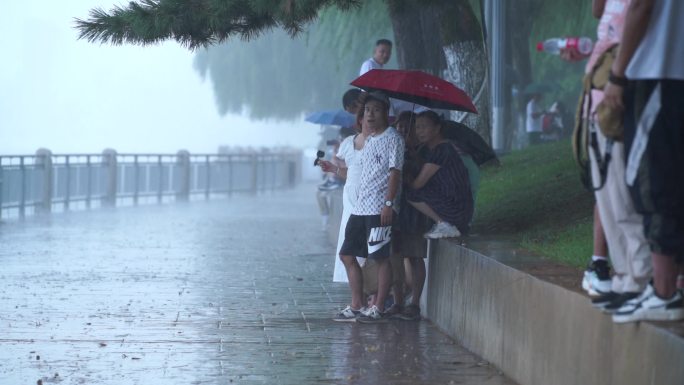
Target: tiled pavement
{"type": "Point", "coordinates": [234, 291]}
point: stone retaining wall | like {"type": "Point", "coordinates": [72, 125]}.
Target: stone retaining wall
{"type": "Point", "coordinates": [540, 333]}
{"type": "Point", "coordinates": [536, 332]}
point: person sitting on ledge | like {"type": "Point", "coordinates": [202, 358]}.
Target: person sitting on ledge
{"type": "Point", "coordinates": [442, 189]}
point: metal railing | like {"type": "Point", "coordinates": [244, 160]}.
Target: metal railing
{"type": "Point", "coordinates": [46, 182]}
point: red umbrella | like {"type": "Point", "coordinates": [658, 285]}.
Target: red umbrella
{"type": "Point", "coordinates": [416, 87]}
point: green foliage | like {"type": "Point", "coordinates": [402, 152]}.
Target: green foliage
{"type": "Point", "coordinates": [536, 198]}
{"type": "Point", "coordinates": [558, 19]}
{"type": "Point", "coordinates": [199, 23]}
{"type": "Point", "coordinates": [275, 76]}
{"type": "Point", "coordinates": [572, 244]}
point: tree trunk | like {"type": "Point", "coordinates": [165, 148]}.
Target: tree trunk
{"type": "Point", "coordinates": [445, 38]}
{"type": "Point", "coordinates": [418, 43]}
{"type": "Point", "coordinates": [467, 64]}
{"type": "Point", "coordinates": [467, 69]}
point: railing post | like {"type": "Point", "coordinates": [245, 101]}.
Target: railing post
{"type": "Point", "coordinates": [183, 164]}
{"type": "Point", "coordinates": [109, 162]}
{"type": "Point", "coordinates": [160, 187]}
{"type": "Point", "coordinates": [44, 161]}
{"type": "Point", "coordinates": [230, 174]}
{"type": "Point", "coordinates": [255, 173]}
{"type": "Point", "coordinates": [1, 185]}
{"type": "Point", "coordinates": [273, 172]}
{"type": "Point", "coordinates": [207, 187]}
{"type": "Point", "coordinates": [67, 192]}
{"type": "Point", "coordinates": [22, 199]}
{"type": "Point", "coordinates": [89, 183]}
{"type": "Point", "coordinates": [136, 185]}
{"type": "Point", "coordinates": [293, 170]}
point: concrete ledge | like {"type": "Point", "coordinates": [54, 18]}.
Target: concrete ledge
{"type": "Point", "coordinates": [537, 332]}
{"type": "Point", "coordinates": [528, 317]}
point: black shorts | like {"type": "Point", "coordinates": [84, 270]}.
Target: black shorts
{"type": "Point", "coordinates": [658, 188]}
{"type": "Point", "coordinates": [364, 236]}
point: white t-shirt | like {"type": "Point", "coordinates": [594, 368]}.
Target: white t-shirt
{"type": "Point", "coordinates": [534, 124]}
{"type": "Point", "coordinates": [661, 52]}
{"type": "Point", "coordinates": [381, 153]}
{"type": "Point", "coordinates": [352, 158]}
{"type": "Point", "coordinates": [368, 65]}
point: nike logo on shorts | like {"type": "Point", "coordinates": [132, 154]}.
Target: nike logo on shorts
{"type": "Point", "coordinates": [379, 237]}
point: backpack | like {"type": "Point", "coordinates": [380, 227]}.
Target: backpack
{"type": "Point", "coordinates": [584, 135]}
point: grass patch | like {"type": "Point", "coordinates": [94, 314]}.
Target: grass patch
{"type": "Point", "coordinates": [535, 197]}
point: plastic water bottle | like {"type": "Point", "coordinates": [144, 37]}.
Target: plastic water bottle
{"type": "Point", "coordinates": [582, 45]}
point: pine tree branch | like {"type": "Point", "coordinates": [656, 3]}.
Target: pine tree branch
{"type": "Point", "coordinates": [199, 23]}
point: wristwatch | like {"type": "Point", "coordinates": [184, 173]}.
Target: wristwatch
{"type": "Point", "coordinates": [389, 203]}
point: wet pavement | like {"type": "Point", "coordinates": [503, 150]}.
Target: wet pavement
{"type": "Point", "coordinates": [234, 291]}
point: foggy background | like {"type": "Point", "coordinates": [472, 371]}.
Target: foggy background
{"type": "Point", "coordinates": [73, 96]}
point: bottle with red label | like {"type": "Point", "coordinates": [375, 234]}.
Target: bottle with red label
{"type": "Point", "coordinates": [581, 45]}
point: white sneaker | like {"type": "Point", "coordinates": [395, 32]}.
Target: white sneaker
{"type": "Point", "coordinates": [433, 228]}
{"type": "Point", "coordinates": [372, 315]}
{"type": "Point", "coordinates": [443, 230]}
{"type": "Point", "coordinates": [348, 314]}
{"type": "Point", "coordinates": [649, 307]}
{"type": "Point", "coordinates": [595, 286]}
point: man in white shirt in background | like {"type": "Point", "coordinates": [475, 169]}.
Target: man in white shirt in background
{"type": "Point", "coordinates": [534, 119]}
{"type": "Point", "coordinates": [381, 55]}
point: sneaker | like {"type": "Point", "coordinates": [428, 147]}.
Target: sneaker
{"type": "Point", "coordinates": [348, 315]}
{"type": "Point", "coordinates": [327, 185]}
{"type": "Point", "coordinates": [394, 310]}
{"type": "Point", "coordinates": [603, 300]}
{"type": "Point", "coordinates": [618, 301]}
{"type": "Point", "coordinates": [596, 279]}
{"type": "Point", "coordinates": [372, 315]}
{"type": "Point", "coordinates": [649, 307]}
{"type": "Point", "coordinates": [410, 313]}
{"type": "Point", "coordinates": [443, 230]}
{"type": "Point", "coordinates": [330, 184]}
{"type": "Point", "coordinates": [433, 228]}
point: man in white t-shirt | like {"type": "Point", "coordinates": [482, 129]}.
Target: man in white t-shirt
{"type": "Point", "coordinates": [381, 55]}
{"type": "Point", "coordinates": [369, 228]}
{"type": "Point", "coordinates": [534, 119]}
{"type": "Point", "coordinates": [652, 58]}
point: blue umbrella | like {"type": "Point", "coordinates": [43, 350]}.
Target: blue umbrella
{"type": "Point", "coordinates": [332, 117]}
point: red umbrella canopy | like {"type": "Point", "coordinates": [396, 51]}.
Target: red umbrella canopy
{"type": "Point", "coordinates": [416, 87]}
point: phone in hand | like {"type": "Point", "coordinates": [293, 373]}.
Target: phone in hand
{"type": "Point", "coordinates": [319, 155]}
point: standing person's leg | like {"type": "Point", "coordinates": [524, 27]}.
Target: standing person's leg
{"type": "Point", "coordinates": [412, 311]}
{"type": "Point", "coordinates": [596, 280]}
{"type": "Point", "coordinates": [418, 268]}
{"type": "Point", "coordinates": [353, 245]}
{"type": "Point", "coordinates": [617, 215]}
{"type": "Point", "coordinates": [408, 274]}
{"type": "Point", "coordinates": [323, 207]}
{"type": "Point", "coordinates": [600, 243]}
{"type": "Point", "coordinates": [355, 280]}
{"type": "Point", "coordinates": [665, 271]}
{"type": "Point", "coordinates": [379, 240]}
{"type": "Point", "coordinates": [655, 173]}
{"type": "Point", "coordinates": [636, 259]}
{"type": "Point", "coordinates": [398, 274]}
{"type": "Point", "coordinates": [384, 282]}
